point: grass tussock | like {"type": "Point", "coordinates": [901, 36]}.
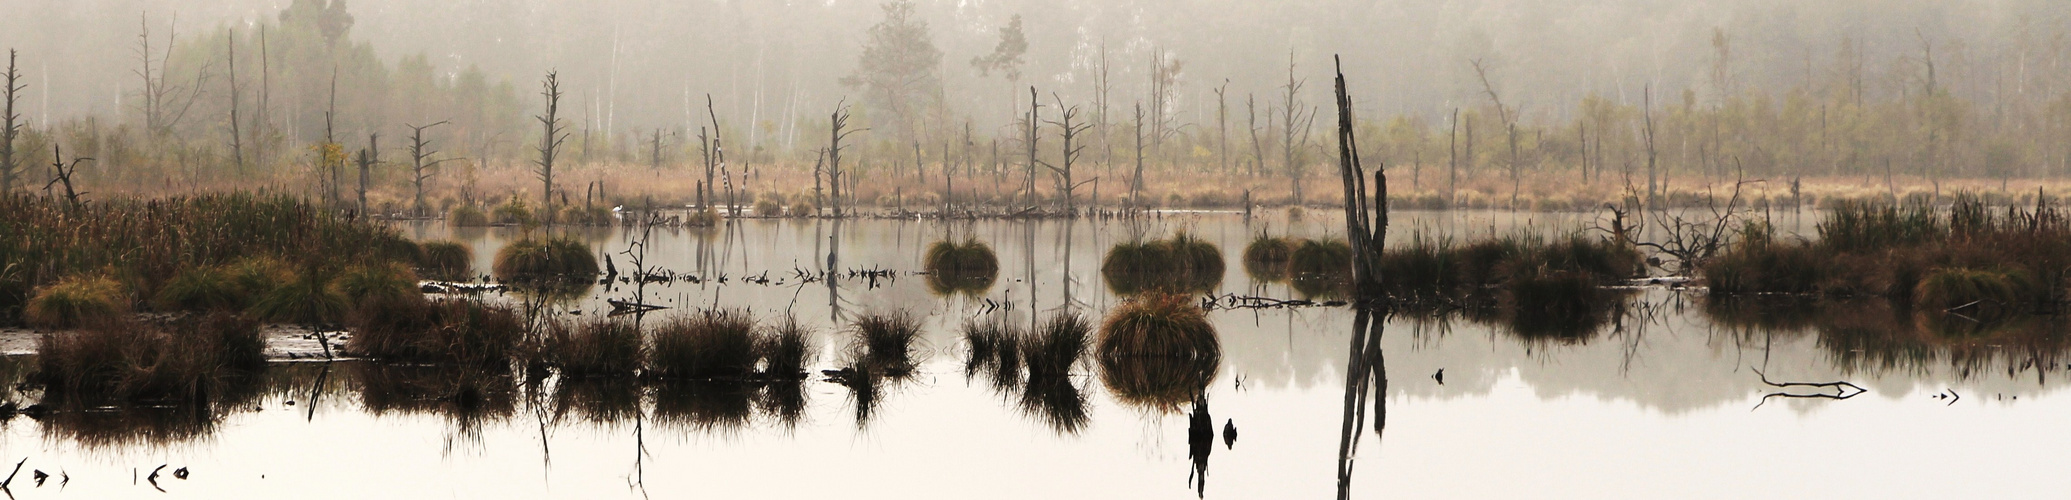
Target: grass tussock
{"type": "Point", "coordinates": [1265, 258]}
{"type": "Point", "coordinates": [969, 267]}
{"type": "Point", "coordinates": [1158, 351]}
{"type": "Point", "coordinates": [447, 260]}
{"type": "Point", "coordinates": [712, 344]}
{"type": "Point", "coordinates": [467, 216]}
{"type": "Point", "coordinates": [1320, 268]}
{"type": "Point", "coordinates": [542, 259]}
{"type": "Point", "coordinates": [1057, 345]}
{"type": "Point", "coordinates": [994, 351]}
{"type": "Point", "coordinates": [786, 350]}
{"type": "Point", "coordinates": [884, 343]}
{"type": "Point", "coordinates": [305, 297]}
{"type": "Point", "coordinates": [77, 301]}
{"type": "Point", "coordinates": [451, 332]}
{"type": "Point", "coordinates": [1181, 263]}
{"type": "Point", "coordinates": [2006, 259]}
{"type": "Point", "coordinates": [204, 289]}
{"type": "Point", "coordinates": [187, 360]}
{"type": "Point", "coordinates": [148, 243]}
{"type": "Point", "coordinates": [597, 347]}
{"type": "Point", "coordinates": [1434, 269]}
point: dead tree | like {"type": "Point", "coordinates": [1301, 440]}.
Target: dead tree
{"type": "Point", "coordinates": [420, 171]}
{"type": "Point", "coordinates": [61, 173]}
{"type": "Point", "coordinates": [164, 104]}
{"type": "Point", "coordinates": [236, 137]}
{"type": "Point", "coordinates": [1366, 213]}
{"type": "Point", "coordinates": [1452, 146]}
{"type": "Point", "coordinates": [1073, 145]}
{"type": "Point", "coordinates": [656, 159]}
{"type": "Point", "coordinates": [836, 122]}
{"type": "Point", "coordinates": [1647, 104]}
{"type": "Point", "coordinates": [10, 125]}
{"type": "Point", "coordinates": [1136, 181]}
{"type": "Point", "coordinates": [1502, 113]}
{"type": "Point", "coordinates": [1222, 126]}
{"type": "Point", "coordinates": [1258, 147]}
{"type": "Point", "coordinates": [1034, 117]}
{"type": "Point", "coordinates": [554, 134]}
{"type": "Point", "coordinates": [715, 157]}
{"type": "Point", "coordinates": [367, 158]}
{"type": "Point", "coordinates": [819, 171]}
{"type": "Point", "coordinates": [1291, 114]}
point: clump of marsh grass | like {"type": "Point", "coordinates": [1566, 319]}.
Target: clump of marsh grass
{"type": "Point", "coordinates": [305, 297]}
{"type": "Point", "coordinates": [1158, 352]}
{"type": "Point", "coordinates": [447, 260]}
{"type": "Point", "coordinates": [363, 283]}
{"type": "Point", "coordinates": [1319, 268]}
{"type": "Point", "coordinates": [1265, 259]}
{"type": "Point", "coordinates": [203, 289]}
{"type": "Point", "coordinates": [1982, 293]}
{"type": "Point", "coordinates": [455, 332]}
{"type": "Point", "coordinates": [467, 216]}
{"type": "Point", "coordinates": [803, 208]}
{"type": "Point", "coordinates": [187, 360]}
{"type": "Point", "coordinates": [1181, 263]}
{"type": "Point", "coordinates": [768, 208]}
{"type": "Point", "coordinates": [1057, 345]}
{"type": "Point", "coordinates": [76, 301]}
{"type": "Point", "coordinates": [969, 267]}
{"type": "Point", "coordinates": [534, 259]}
{"type": "Point", "coordinates": [785, 350]}
{"type": "Point", "coordinates": [513, 212]}
{"type": "Point", "coordinates": [884, 343]}
{"type": "Point", "coordinates": [599, 347]}
{"type": "Point", "coordinates": [712, 344]}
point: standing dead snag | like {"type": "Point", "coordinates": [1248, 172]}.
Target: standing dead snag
{"type": "Point", "coordinates": [367, 158]}
{"type": "Point", "coordinates": [1366, 214]}
{"type": "Point", "coordinates": [10, 125]}
{"type": "Point", "coordinates": [550, 143]}
{"type": "Point", "coordinates": [1034, 117]}
{"type": "Point", "coordinates": [1291, 115]}
{"type": "Point", "coordinates": [61, 173]}
{"type": "Point", "coordinates": [1072, 147]}
{"type": "Point", "coordinates": [1136, 182]}
{"type": "Point", "coordinates": [236, 138]}
{"type": "Point", "coordinates": [420, 149]}
{"type": "Point", "coordinates": [836, 122]}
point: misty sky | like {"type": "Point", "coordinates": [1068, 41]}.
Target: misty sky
{"type": "Point", "coordinates": [637, 63]}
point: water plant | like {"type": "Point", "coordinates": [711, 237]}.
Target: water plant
{"type": "Point", "coordinates": [202, 289]}
{"type": "Point", "coordinates": [1181, 263]}
{"type": "Point", "coordinates": [884, 343]}
{"type": "Point", "coordinates": [76, 301]}
{"type": "Point", "coordinates": [454, 332]}
{"type": "Point", "coordinates": [536, 259]}
{"type": "Point", "coordinates": [594, 347]}
{"type": "Point", "coordinates": [447, 260]}
{"type": "Point", "coordinates": [969, 267]}
{"type": "Point", "coordinates": [467, 216]}
{"type": "Point", "coordinates": [1157, 351]}
{"type": "Point", "coordinates": [785, 349]}
{"type": "Point", "coordinates": [1057, 345]}
{"type": "Point", "coordinates": [710, 344]}
{"type": "Point", "coordinates": [1265, 259]}
{"type": "Point", "coordinates": [185, 360]}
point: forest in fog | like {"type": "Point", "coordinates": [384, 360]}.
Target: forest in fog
{"type": "Point", "coordinates": [1451, 94]}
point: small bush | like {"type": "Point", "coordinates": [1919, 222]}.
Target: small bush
{"type": "Point", "coordinates": [534, 259]}
{"type": "Point", "coordinates": [803, 208]}
{"type": "Point", "coordinates": [768, 208]}
{"type": "Point", "coordinates": [76, 301]}
{"type": "Point", "coordinates": [713, 344]}
{"type": "Point", "coordinates": [513, 212]}
{"type": "Point", "coordinates": [447, 260]}
{"type": "Point", "coordinates": [706, 217]}
{"type": "Point", "coordinates": [467, 216]}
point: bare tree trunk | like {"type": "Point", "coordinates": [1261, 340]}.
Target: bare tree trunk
{"type": "Point", "coordinates": [553, 135]}
{"type": "Point", "coordinates": [10, 125]}
{"type": "Point", "coordinates": [236, 137]}
{"type": "Point", "coordinates": [420, 149]}
{"type": "Point", "coordinates": [368, 157]}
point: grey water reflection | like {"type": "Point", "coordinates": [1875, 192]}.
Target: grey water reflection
{"type": "Point", "coordinates": [1310, 385]}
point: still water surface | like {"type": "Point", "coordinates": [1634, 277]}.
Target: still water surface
{"type": "Point", "coordinates": [1662, 403]}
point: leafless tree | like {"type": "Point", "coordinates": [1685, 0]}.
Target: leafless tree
{"type": "Point", "coordinates": [837, 121]}
{"type": "Point", "coordinates": [61, 173]}
{"type": "Point", "coordinates": [10, 124]}
{"type": "Point", "coordinates": [236, 137]}
{"type": "Point", "coordinates": [367, 159]}
{"type": "Point", "coordinates": [554, 134]}
{"type": "Point", "coordinates": [164, 104]}
{"type": "Point", "coordinates": [420, 170]}
{"type": "Point", "coordinates": [1074, 144]}
{"type": "Point", "coordinates": [1292, 117]}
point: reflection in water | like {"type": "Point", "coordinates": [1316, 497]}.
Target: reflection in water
{"type": "Point", "coordinates": [467, 397]}
{"type": "Point", "coordinates": [1049, 393]}
{"type": "Point", "coordinates": [1366, 376]}
{"type": "Point", "coordinates": [1200, 443]}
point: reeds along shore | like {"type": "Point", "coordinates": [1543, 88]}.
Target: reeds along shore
{"type": "Point", "coordinates": [1971, 258]}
